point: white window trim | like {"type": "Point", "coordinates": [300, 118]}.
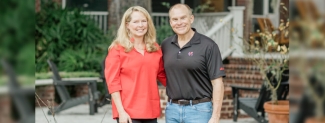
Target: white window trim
{"type": "Point", "coordinates": [64, 3]}
{"type": "Point", "coordinates": [274, 17]}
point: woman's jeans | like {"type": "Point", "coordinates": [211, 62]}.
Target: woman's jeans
{"type": "Point", "coordinates": [198, 113]}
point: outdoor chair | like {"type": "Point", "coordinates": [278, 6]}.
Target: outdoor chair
{"type": "Point", "coordinates": [23, 107]}
{"type": "Point", "coordinates": [67, 101]}
{"type": "Point", "coordinates": [107, 96]}
{"type": "Point", "coordinates": [254, 106]}
{"type": "Point", "coordinates": [265, 24]}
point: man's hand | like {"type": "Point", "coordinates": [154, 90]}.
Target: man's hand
{"type": "Point", "coordinates": [214, 120]}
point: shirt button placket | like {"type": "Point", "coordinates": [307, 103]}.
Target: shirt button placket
{"type": "Point", "coordinates": [179, 55]}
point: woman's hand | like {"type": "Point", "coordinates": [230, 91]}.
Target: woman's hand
{"type": "Point", "coordinates": [124, 117]}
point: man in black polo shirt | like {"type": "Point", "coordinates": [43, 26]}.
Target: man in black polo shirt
{"type": "Point", "coordinates": [194, 72]}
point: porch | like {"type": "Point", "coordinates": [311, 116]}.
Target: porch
{"type": "Point", "coordinates": [222, 27]}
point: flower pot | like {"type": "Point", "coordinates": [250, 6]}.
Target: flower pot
{"type": "Point", "coordinates": [277, 113]}
{"type": "Point", "coordinates": [315, 120]}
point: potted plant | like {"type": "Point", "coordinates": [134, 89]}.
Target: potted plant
{"type": "Point", "coordinates": [309, 68]}
{"type": "Point", "coordinates": [271, 57]}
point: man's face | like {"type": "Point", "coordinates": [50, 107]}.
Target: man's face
{"type": "Point", "coordinates": [180, 20]}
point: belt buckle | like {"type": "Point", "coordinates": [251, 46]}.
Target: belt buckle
{"type": "Point", "coordinates": [182, 102]}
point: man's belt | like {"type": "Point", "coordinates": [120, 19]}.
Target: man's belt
{"type": "Point", "coordinates": [188, 102]}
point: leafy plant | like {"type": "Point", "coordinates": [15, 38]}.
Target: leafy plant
{"type": "Point", "coordinates": [16, 35]}
{"type": "Point", "coordinates": [199, 9]}
{"type": "Point", "coordinates": [163, 31]}
{"type": "Point", "coordinates": [72, 40]}
{"type": "Point", "coordinates": [271, 57]}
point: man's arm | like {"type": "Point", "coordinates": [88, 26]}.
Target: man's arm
{"type": "Point", "coordinates": [217, 98]}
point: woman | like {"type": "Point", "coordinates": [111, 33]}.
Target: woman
{"type": "Point", "coordinates": [133, 65]}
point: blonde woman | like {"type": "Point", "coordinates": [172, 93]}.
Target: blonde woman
{"type": "Point", "coordinates": [133, 65]}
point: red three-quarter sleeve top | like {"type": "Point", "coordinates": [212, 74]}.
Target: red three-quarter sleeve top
{"type": "Point", "coordinates": [134, 75]}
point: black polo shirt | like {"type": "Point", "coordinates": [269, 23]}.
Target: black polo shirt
{"type": "Point", "coordinates": [190, 69]}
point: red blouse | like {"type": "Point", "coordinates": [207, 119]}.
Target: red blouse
{"type": "Point", "coordinates": [135, 76]}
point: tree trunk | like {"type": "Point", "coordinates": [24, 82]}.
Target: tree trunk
{"type": "Point", "coordinates": [116, 9]}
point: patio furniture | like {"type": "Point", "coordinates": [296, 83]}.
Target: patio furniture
{"type": "Point", "coordinates": [107, 96]}
{"type": "Point", "coordinates": [67, 101]}
{"type": "Point", "coordinates": [254, 106]}
{"type": "Point", "coordinates": [265, 24]}
{"type": "Point", "coordinates": [22, 107]}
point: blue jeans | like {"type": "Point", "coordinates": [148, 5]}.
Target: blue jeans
{"type": "Point", "coordinates": [198, 113]}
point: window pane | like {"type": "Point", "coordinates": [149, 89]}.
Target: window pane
{"type": "Point", "coordinates": [88, 5]}
{"type": "Point", "coordinates": [258, 7]}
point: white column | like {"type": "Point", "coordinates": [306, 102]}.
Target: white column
{"type": "Point", "coordinates": [237, 24]}
{"type": "Point", "coordinates": [64, 3]}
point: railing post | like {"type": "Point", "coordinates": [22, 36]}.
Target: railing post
{"type": "Point", "coordinates": [237, 25]}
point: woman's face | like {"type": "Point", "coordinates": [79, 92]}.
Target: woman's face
{"type": "Point", "coordinates": [138, 26]}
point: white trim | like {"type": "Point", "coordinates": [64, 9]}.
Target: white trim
{"type": "Point", "coordinates": [212, 14]}
{"type": "Point", "coordinates": [41, 82]}
{"type": "Point", "coordinates": [265, 7]}
{"type": "Point", "coordinates": [64, 3]}
{"type": "Point", "coordinates": [95, 13]}
{"type": "Point", "coordinates": [219, 25]}
{"type": "Point", "coordinates": [266, 55]}
{"type": "Point", "coordinates": [319, 54]}
{"type": "Point", "coordinates": [4, 90]}
{"type": "Point", "coordinates": [195, 14]}
{"type": "Point", "coordinates": [227, 53]}
{"type": "Point", "coordinates": [274, 17]}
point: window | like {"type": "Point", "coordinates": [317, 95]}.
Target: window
{"type": "Point", "coordinates": [88, 5]}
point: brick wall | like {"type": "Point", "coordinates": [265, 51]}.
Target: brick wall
{"type": "Point", "coordinates": [46, 94]}
{"type": "Point", "coordinates": [239, 72]}
{"type": "Point", "coordinates": [5, 111]}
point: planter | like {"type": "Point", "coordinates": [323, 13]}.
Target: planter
{"type": "Point", "coordinates": [277, 113]}
{"type": "Point", "coordinates": [314, 120]}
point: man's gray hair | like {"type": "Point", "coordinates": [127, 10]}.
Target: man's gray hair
{"type": "Point", "coordinates": [179, 5]}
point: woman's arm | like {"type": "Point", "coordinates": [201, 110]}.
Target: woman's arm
{"type": "Point", "coordinates": [123, 116]}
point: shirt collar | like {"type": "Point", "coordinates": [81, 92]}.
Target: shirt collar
{"type": "Point", "coordinates": [194, 39]}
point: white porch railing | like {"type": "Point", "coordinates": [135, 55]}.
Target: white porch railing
{"type": "Point", "coordinates": [225, 28]}
{"type": "Point", "coordinates": [221, 34]}
{"type": "Point", "coordinates": [228, 31]}
{"type": "Point", "coordinates": [202, 22]}
{"type": "Point", "coordinates": [100, 18]}
{"type": "Point", "coordinates": [160, 19]}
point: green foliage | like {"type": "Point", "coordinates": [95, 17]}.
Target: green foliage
{"type": "Point", "coordinates": [163, 31]}
{"type": "Point", "coordinates": [17, 35]}
{"type": "Point", "coordinates": [73, 41]}
{"type": "Point", "coordinates": [166, 4]}
{"type": "Point", "coordinates": [199, 9]}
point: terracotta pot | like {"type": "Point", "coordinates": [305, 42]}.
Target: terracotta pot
{"type": "Point", "coordinates": [314, 120]}
{"type": "Point", "coordinates": [277, 113]}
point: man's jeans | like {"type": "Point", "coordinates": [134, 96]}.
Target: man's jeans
{"type": "Point", "coordinates": [198, 113]}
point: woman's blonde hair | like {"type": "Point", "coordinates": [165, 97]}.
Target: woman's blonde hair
{"type": "Point", "coordinates": [123, 36]}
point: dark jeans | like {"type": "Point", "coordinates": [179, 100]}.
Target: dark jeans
{"type": "Point", "coordinates": [142, 120]}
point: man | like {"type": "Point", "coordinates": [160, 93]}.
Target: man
{"type": "Point", "coordinates": [194, 72]}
